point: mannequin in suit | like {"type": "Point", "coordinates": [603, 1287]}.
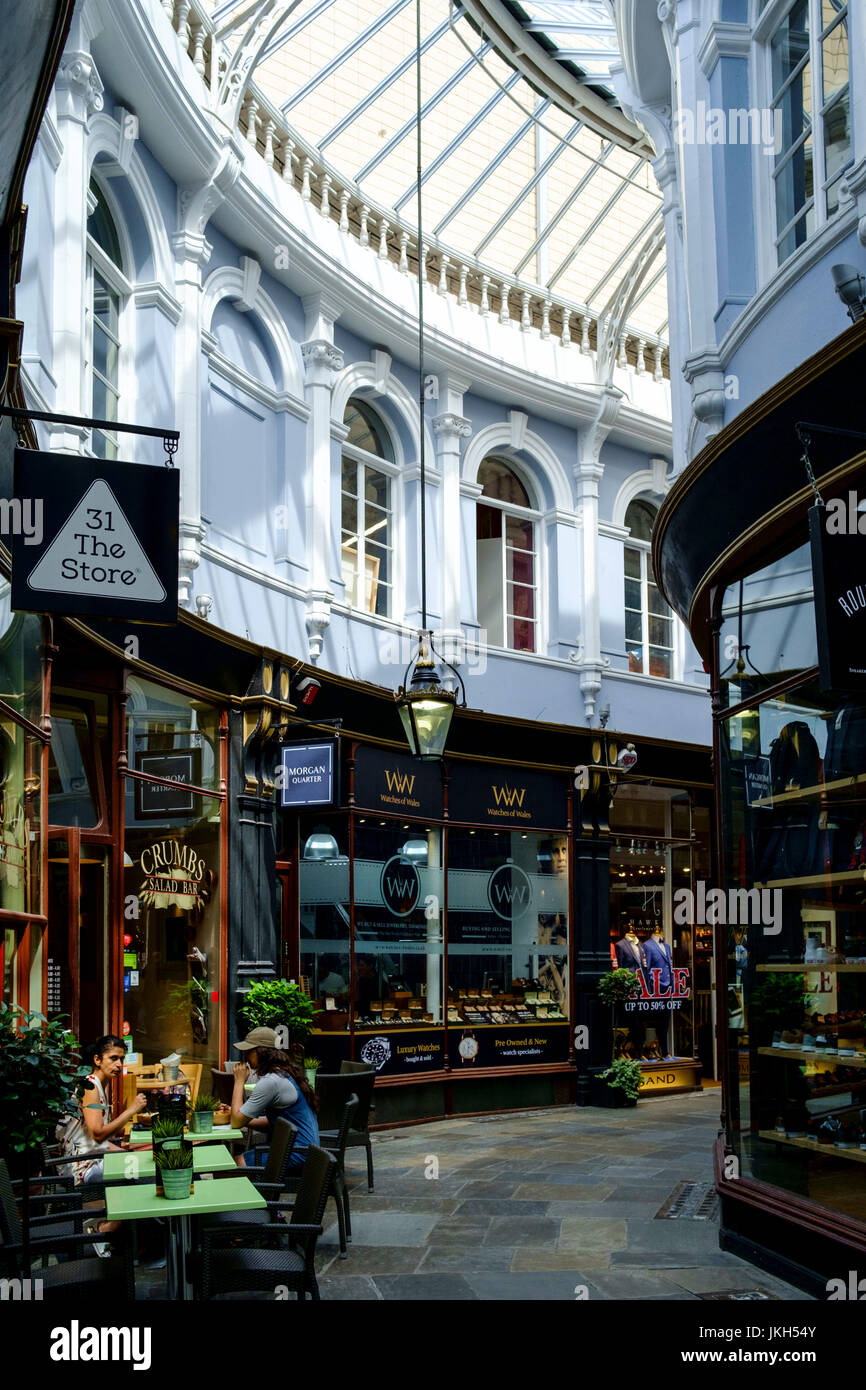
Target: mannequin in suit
{"type": "Point", "coordinates": [658, 957]}
{"type": "Point", "coordinates": [629, 952]}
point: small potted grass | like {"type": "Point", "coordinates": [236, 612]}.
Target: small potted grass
{"type": "Point", "coordinates": [201, 1119]}
{"type": "Point", "coordinates": [166, 1136]}
{"type": "Point", "coordinates": [174, 1168]}
{"type": "Point", "coordinates": [311, 1066]}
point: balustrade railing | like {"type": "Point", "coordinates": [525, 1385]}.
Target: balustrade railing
{"type": "Point", "coordinates": [529, 307]}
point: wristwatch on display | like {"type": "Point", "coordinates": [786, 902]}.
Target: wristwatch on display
{"type": "Point", "coordinates": [468, 1047]}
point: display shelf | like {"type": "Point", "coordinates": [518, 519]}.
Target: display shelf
{"type": "Point", "coordinates": [803, 1055]}
{"type": "Point", "coordinates": [813, 969]}
{"type": "Point", "coordinates": [807, 793]}
{"type": "Point", "coordinates": [812, 1146]}
{"type": "Point", "coordinates": [813, 880]}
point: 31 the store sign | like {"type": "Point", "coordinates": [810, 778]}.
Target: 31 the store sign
{"type": "Point", "coordinates": [108, 543]}
{"type": "Point", "coordinates": [175, 875]}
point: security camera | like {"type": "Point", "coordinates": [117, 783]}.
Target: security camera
{"type": "Point", "coordinates": [308, 689]}
{"type": "Point", "coordinates": [851, 289]}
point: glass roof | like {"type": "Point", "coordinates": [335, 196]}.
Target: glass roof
{"type": "Point", "coordinates": [512, 179]}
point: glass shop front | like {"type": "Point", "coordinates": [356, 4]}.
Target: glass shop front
{"type": "Point", "coordinates": [112, 830]}
{"type": "Point", "coordinates": [436, 944]}
{"type": "Point", "coordinates": [660, 847]}
{"type": "Point", "coordinates": [792, 780]}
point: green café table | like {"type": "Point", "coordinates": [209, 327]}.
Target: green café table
{"type": "Point", "coordinates": [139, 1166]}
{"type": "Point", "coordinates": [139, 1202]}
{"type": "Point", "coordinates": [222, 1135]}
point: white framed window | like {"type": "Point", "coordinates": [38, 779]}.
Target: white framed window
{"type": "Point", "coordinates": [506, 559]}
{"type": "Point", "coordinates": [809, 85]}
{"type": "Point", "coordinates": [105, 292]}
{"type": "Point", "coordinates": [366, 534]}
{"type": "Point", "coordinates": [649, 623]}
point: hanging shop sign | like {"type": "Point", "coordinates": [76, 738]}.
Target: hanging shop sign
{"type": "Point", "coordinates": [182, 767]}
{"type": "Point", "coordinates": [392, 783]}
{"type": "Point", "coordinates": [175, 875]}
{"type": "Point", "coordinates": [484, 1046]}
{"type": "Point", "coordinates": [758, 782]}
{"type": "Point", "coordinates": [107, 542]}
{"type": "Point", "coordinates": [482, 794]}
{"type": "Point", "coordinates": [839, 582]}
{"type": "Point", "coordinates": [307, 775]}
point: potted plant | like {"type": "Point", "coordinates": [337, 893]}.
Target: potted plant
{"type": "Point", "coordinates": [41, 1082]}
{"type": "Point", "coordinates": [618, 986]}
{"type": "Point", "coordinates": [174, 1169]}
{"type": "Point", "coordinates": [311, 1066]}
{"type": "Point", "coordinates": [624, 1076]}
{"type": "Point", "coordinates": [201, 1119]}
{"type": "Point", "coordinates": [279, 1003]}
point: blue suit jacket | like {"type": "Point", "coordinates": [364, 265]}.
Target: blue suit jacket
{"type": "Point", "coordinates": [658, 957]}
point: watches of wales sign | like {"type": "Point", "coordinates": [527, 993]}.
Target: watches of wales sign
{"type": "Point", "coordinates": [109, 538]}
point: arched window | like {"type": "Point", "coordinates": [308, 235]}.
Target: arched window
{"type": "Point", "coordinates": [505, 558]}
{"type": "Point", "coordinates": [104, 290]}
{"type": "Point", "coordinates": [366, 532]}
{"type": "Point", "coordinates": [649, 623]}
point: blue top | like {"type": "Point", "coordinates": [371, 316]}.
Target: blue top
{"type": "Point", "coordinates": [277, 1097]}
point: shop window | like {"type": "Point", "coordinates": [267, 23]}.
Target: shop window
{"type": "Point", "coordinates": [20, 659]}
{"type": "Point", "coordinates": [74, 781]}
{"type": "Point", "coordinates": [793, 768]}
{"type": "Point", "coordinates": [809, 67]}
{"type": "Point", "coordinates": [658, 844]}
{"type": "Point", "coordinates": [171, 928]}
{"type": "Point", "coordinates": [508, 928]}
{"type": "Point", "coordinates": [768, 628]}
{"type": "Point", "coordinates": [366, 535]}
{"type": "Point", "coordinates": [104, 300]}
{"type": "Point", "coordinates": [506, 559]}
{"type": "Point", "coordinates": [325, 920]}
{"type": "Point", "coordinates": [649, 622]}
{"type": "Point", "coordinates": [398, 925]}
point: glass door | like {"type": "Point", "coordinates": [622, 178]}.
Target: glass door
{"type": "Point", "coordinates": [79, 950]}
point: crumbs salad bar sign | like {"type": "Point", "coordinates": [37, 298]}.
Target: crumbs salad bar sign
{"type": "Point", "coordinates": [175, 875]}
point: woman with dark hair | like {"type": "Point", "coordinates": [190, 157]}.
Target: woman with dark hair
{"type": "Point", "coordinates": [281, 1092]}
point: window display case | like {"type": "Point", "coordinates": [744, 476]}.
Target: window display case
{"type": "Point", "coordinates": [794, 831]}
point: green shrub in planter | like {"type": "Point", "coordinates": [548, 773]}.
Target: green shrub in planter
{"type": "Point", "coordinates": [174, 1171]}
{"type": "Point", "coordinates": [618, 986]}
{"type": "Point", "coordinates": [311, 1066]}
{"type": "Point", "coordinates": [624, 1075]}
{"type": "Point", "coordinates": [278, 1003]}
{"type": "Point", "coordinates": [41, 1082]}
{"type": "Point", "coordinates": [201, 1119]}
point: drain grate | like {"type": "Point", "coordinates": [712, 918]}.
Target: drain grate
{"type": "Point", "coordinates": [689, 1201]}
{"type": "Point", "coordinates": [740, 1296]}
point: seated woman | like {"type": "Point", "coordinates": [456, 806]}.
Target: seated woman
{"type": "Point", "coordinates": [86, 1134]}
{"type": "Point", "coordinates": [281, 1092]}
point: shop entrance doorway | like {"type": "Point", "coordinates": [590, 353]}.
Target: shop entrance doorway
{"type": "Point", "coordinates": [80, 954]}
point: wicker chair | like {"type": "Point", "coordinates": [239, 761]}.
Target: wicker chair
{"type": "Point", "coordinates": [221, 1270]}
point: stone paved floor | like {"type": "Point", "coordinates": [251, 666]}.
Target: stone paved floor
{"type": "Point", "coordinates": [531, 1205]}
{"type": "Point", "coordinates": [528, 1206]}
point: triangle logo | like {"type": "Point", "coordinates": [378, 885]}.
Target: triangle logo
{"type": "Point", "coordinates": [96, 553]}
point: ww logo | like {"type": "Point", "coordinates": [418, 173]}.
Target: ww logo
{"type": "Point", "coordinates": [400, 886]}
{"type": "Point", "coordinates": [509, 891]}
{"type": "Point", "coordinates": [509, 796]}
{"type": "Point", "coordinates": [400, 782]}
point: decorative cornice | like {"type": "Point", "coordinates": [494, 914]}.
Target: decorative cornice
{"type": "Point", "coordinates": [724, 40]}
{"type": "Point", "coordinates": [191, 246]}
{"type": "Point", "coordinates": [156, 296]}
{"type": "Point", "coordinates": [319, 353]}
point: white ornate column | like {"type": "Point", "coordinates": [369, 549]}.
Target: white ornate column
{"type": "Point", "coordinates": [322, 360]}
{"type": "Point", "coordinates": [449, 428]}
{"type": "Point", "coordinates": [192, 251]}
{"type": "Point", "coordinates": [78, 91]}
{"type": "Point", "coordinates": [856, 176]}
{"type": "Point", "coordinates": [588, 474]}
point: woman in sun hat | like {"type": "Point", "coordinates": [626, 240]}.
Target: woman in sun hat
{"type": "Point", "coordinates": [281, 1092]}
